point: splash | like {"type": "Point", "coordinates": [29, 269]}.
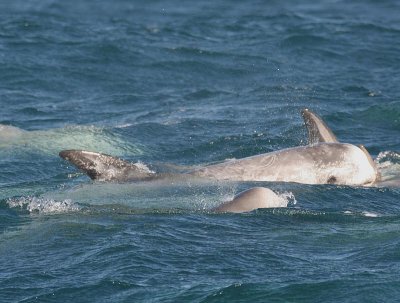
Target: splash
{"type": "Point", "coordinates": [288, 198]}
{"type": "Point", "coordinates": [387, 158]}
{"type": "Point", "coordinates": [388, 163]}
{"type": "Point", "coordinates": [282, 200]}
{"type": "Point", "coordinates": [43, 205]}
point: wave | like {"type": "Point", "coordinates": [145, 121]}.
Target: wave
{"type": "Point", "coordinates": [301, 290]}
{"type": "Point", "coordinates": [131, 199]}
{"type": "Point", "coordinates": [386, 114]}
{"type": "Point", "coordinates": [328, 215]}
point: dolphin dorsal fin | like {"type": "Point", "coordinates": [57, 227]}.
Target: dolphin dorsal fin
{"type": "Point", "coordinates": [104, 167]}
{"type": "Point", "coordinates": [317, 129]}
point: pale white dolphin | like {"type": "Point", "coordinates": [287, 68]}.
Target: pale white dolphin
{"type": "Point", "coordinates": [324, 161]}
{"type": "Point", "coordinates": [251, 199]}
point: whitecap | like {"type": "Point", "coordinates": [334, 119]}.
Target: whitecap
{"type": "Point", "coordinates": [369, 214]}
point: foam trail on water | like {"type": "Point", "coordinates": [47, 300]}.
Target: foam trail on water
{"type": "Point", "coordinates": [43, 205]}
{"type": "Point", "coordinates": [157, 195]}
{"type": "Point", "coordinates": [8, 132]}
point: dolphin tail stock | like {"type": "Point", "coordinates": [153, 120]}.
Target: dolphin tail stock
{"type": "Point", "coordinates": [317, 129]}
{"type": "Point", "coordinates": [105, 167]}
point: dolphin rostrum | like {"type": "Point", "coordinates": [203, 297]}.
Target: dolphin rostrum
{"type": "Point", "coordinates": [323, 161]}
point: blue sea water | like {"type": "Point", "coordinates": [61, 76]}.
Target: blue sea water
{"type": "Point", "coordinates": [190, 83]}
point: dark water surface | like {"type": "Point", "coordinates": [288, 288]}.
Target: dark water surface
{"type": "Point", "coordinates": [191, 83]}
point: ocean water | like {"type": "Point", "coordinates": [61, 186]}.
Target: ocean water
{"type": "Point", "coordinates": [190, 83]}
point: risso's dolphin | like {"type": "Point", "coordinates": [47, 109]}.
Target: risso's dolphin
{"type": "Point", "coordinates": [323, 161]}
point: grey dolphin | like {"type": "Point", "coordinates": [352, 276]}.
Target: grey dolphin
{"type": "Point", "coordinates": [325, 161]}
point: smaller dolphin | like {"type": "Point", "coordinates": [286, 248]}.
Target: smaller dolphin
{"type": "Point", "coordinates": [251, 199]}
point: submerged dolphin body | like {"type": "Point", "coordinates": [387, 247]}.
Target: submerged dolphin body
{"type": "Point", "coordinates": [324, 161]}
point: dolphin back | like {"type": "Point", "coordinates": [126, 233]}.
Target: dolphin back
{"type": "Point", "coordinates": [106, 168]}
{"type": "Point", "coordinates": [318, 131]}
{"type": "Point", "coordinates": [251, 199]}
